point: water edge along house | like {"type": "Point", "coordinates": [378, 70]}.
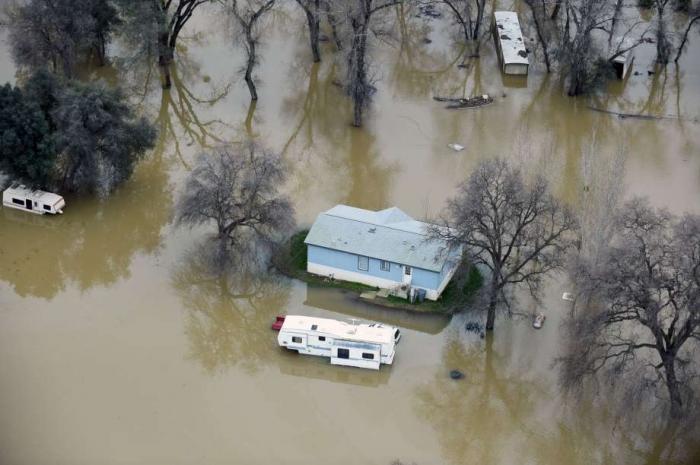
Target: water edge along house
{"type": "Point", "coordinates": [386, 249]}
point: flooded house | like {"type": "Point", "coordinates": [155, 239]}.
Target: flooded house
{"type": "Point", "coordinates": [386, 249]}
{"type": "Point", "coordinates": [510, 44]}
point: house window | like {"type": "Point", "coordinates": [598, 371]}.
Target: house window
{"type": "Point", "coordinates": [296, 339]}
{"type": "Point", "coordinates": [367, 356]}
{"type": "Point", "coordinates": [407, 270]}
{"type": "Point", "coordinates": [362, 263]}
{"type": "Point", "coordinates": [343, 353]}
{"type": "Point", "coordinates": [322, 338]}
{"type": "Point", "coordinates": [47, 207]}
{"type": "Point", "coordinates": [314, 327]}
{"type": "Point", "coordinates": [18, 201]}
{"type": "Point", "coordinates": [384, 265]}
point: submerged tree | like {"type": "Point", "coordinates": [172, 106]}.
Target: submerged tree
{"type": "Point", "coordinates": [58, 33]}
{"type": "Point", "coordinates": [312, 10]}
{"type": "Point", "coordinates": [237, 190]}
{"type": "Point", "coordinates": [469, 14]}
{"type": "Point", "coordinates": [358, 14]}
{"type": "Point", "coordinates": [641, 306]}
{"type": "Point", "coordinates": [98, 137]}
{"type": "Point", "coordinates": [158, 24]}
{"type": "Point", "coordinates": [248, 14]}
{"type": "Point", "coordinates": [519, 231]}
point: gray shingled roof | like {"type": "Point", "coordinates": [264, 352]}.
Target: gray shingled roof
{"type": "Point", "coordinates": [389, 235]}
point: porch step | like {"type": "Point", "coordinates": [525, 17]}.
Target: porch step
{"type": "Point", "coordinates": [369, 295]}
{"type": "Point", "coordinates": [384, 293]}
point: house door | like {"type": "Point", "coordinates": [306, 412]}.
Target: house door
{"type": "Point", "coordinates": [407, 274]}
{"type": "Point", "coordinates": [28, 204]}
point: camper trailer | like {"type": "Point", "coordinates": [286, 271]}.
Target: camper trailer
{"type": "Point", "coordinates": [365, 345]}
{"type": "Point", "coordinates": [509, 43]}
{"type": "Point", "coordinates": [35, 201]}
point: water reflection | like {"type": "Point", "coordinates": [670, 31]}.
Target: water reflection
{"type": "Point", "coordinates": [323, 144]}
{"type": "Point", "coordinates": [229, 312]}
{"type": "Point", "coordinates": [499, 401]}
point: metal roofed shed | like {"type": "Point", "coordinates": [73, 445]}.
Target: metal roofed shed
{"type": "Point", "coordinates": [510, 44]}
{"type": "Point", "coordinates": [386, 249]}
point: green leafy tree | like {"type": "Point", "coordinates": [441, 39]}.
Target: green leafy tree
{"type": "Point", "coordinates": [98, 137]}
{"type": "Point", "coordinates": [27, 151]}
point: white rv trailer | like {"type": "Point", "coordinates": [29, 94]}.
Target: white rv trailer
{"type": "Point", "coordinates": [510, 44]}
{"type": "Point", "coordinates": [365, 345]}
{"type": "Point", "coordinates": [35, 201]}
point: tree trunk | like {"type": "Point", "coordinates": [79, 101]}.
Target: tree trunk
{"type": "Point", "coordinates": [663, 47]}
{"type": "Point", "coordinates": [165, 58]}
{"type": "Point", "coordinates": [685, 38]}
{"type": "Point", "coordinates": [360, 87]}
{"type": "Point", "coordinates": [538, 29]}
{"type": "Point", "coordinates": [249, 68]}
{"type": "Point", "coordinates": [673, 387]}
{"type": "Point", "coordinates": [314, 29]}
{"type": "Point", "coordinates": [332, 20]}
{"type": "Point", "coordinates": [493, 299]}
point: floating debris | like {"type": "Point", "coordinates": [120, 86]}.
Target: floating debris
{"type": "Point", "coordinates": [539, 321]}
{"type": "Point", "coordinates": [456, 374]}
{"type": "Point", "coordinates": [473, 102]}
{"type": "Point", "coordinates": [568, 296]}
{"type": "Point", "coordinates": [474, 327]}
{"type": "Point", "coordinates": [456, 147]}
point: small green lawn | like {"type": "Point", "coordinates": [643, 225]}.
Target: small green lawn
{"type": "Point", "coordinates": [458, 293]}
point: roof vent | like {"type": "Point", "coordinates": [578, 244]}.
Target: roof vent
{"type": "Point", "coordinates": [373, 230]}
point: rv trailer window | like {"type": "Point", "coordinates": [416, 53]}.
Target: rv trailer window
{"type": "Point", "coordinates": [18, 201]}
{"type": "Point", "coordinates": [322, 338]}
{"type": "Point", "coordinates": [47, 207]}
{"type": "Point", "coordinates": [384, 265]}
{"type": "Point", "coordinates": [367, 356]}
{"type": "Point", "coordinates": [296, 339]}
{"type": "Point", "coordinates": [362, 263]}
{"type": "Point", "coordinates": [343, 353]}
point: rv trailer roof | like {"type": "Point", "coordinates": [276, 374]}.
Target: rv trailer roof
{"type": "Point", "coordinates": [510, 37]}
{"type": "Point", "coordinates": [40, 196]}
{"type": "Point", "coordinates": [361, 332]}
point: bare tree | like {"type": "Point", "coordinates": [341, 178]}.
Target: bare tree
{"type": "Point", "coordinates": [312, 10]}
{"type": "Point", "coordinates": [641, 306]}
{"type": "Point", "coordinates": [541, 21]}
{"type": "Point", "coordinates": [469, 14]}
{"type": "Point", "coordinates": [159, 23]}
{"type": "Point", "coordinates": [518, 231]}
{"type": "Point", "coordinates": [248, 14]}
{"type": "Point", "coordinates": [663, 43]}
{"type": "Point", "coordinates": [358, 14]}
{"type": "Point", "coordinates": [237, 190]}
{"type": "Point", "coordinates": [694, 16]}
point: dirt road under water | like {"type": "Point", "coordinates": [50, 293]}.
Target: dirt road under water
{"type": "Point", "coordinates": [115, 348]}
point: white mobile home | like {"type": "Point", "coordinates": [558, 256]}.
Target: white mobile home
{"type": "Point", "coordinates": [510, 44]}
{"type": "Point", "coordinates": [365, 345]}
{"type": "Point", "coordinates": [35, 201]}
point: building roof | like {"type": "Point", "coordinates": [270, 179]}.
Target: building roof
{"type": "Point", "coordinates": [36, 195]}
{"type": "Point", "coordinates": [375, 333]}
{"type": "Point", "coordinates": [389, 235]}
{"type": "Point", "coordinates": [511, 38]}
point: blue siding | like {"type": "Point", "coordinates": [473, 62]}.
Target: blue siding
{"type": "Point", "coordinates": [347, 261]}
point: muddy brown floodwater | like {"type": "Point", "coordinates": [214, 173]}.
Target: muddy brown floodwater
{"type": "Point", "coordinates": [115, 349]}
